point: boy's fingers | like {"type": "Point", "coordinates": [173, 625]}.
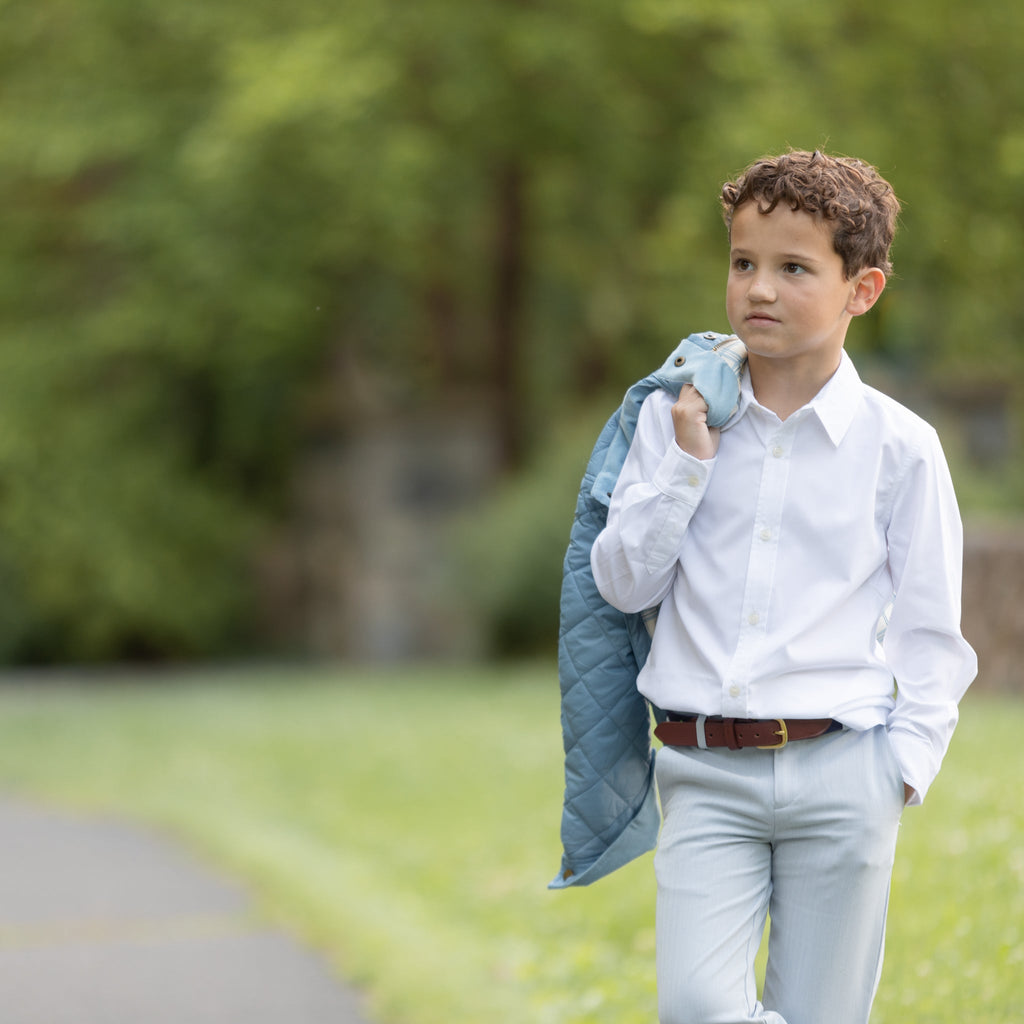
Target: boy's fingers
{"type": "Point", "coordinates": [693, 391]}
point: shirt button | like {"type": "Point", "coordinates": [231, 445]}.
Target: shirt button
{"type": "Point", "coordinates": [734, 690]}
{"type": "Point", "coordinates": [754, 618]}
{"type": "Point", "coordinates": [693, 481]}
{"type": "Point", "coordinates": [778, 451]}
{"type": "Point", "coordinates": [766, 534]}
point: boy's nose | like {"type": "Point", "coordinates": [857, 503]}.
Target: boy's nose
{"type": "Point", "coordinates": [760, 290]}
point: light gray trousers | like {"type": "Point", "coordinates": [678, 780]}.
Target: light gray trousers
{"type": "Point", "coordinates": [806, 834]}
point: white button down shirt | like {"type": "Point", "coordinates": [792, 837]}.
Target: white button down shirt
{"type": "Point", "coordinates": [774, 561]}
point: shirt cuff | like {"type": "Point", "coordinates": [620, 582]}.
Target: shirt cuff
{"type": "Point", "coordinates": [915, 759]}
{"type": "Point", "coordinates": [682, 476]}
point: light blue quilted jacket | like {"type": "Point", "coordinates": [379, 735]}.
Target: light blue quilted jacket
{"type": "Point", "coordinates": [610, 813]}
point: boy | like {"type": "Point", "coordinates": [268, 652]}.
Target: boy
{"type": "Point", "coordinates": [773, 546]}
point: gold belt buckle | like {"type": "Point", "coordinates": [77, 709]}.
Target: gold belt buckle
{"type": "Point", "coordinates": [781, 732]}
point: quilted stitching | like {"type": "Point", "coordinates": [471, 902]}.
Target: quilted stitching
{"type": "Point", "coordinates": [605, 720]}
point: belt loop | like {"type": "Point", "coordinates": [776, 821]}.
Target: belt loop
{"type": "Point", "coordinates": [702, 740]}
{"type": "Point", "coordinates": [729, 725]}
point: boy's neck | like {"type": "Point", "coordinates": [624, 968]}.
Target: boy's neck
{"type": "Point", "coordinates": [783, 387]}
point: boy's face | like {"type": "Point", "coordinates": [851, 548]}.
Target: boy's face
{"type": "Point", "coordinates": [786, 295]}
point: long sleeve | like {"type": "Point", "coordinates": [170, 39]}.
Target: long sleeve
{"type": "Point", "coordinates": [659, 488]}
{"type": "Point", "coordinates": [930, 659]}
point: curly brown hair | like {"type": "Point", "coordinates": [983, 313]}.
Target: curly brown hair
{"type": "Point", "coordinates": [848, 192]}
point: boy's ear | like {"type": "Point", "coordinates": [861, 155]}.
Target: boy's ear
{"type": "Point", "coordinates": [867, 286]}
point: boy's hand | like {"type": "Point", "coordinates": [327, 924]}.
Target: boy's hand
{"type": "Point", "coordinates": [690, 418]}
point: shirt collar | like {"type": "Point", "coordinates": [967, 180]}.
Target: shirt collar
{"type": "Point", "coordinates": [835, 404]}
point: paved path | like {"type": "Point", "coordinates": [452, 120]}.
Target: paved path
{"type": "Point", "coordinates": [106, 923]}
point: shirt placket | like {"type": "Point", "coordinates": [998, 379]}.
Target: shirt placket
{"type": "Point", "coordinates": [761, 567]}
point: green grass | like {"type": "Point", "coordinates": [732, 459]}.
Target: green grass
{"type": "Point", "coordinates": [406, 822]}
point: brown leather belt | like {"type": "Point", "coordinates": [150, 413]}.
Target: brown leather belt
{"type": "Point", "coordinates": [735, 733]}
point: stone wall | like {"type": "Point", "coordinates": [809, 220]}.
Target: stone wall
{"type": "Point", "coordinates": [993, 613]}
{"type": "Point", "coordinates": [364, 570]}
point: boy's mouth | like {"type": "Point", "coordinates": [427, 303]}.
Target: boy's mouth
{"type": "Point", "coordinates": [760, 318]}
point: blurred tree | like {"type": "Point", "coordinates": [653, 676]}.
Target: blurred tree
{"type": "Point", "coordinates": [207, 206]}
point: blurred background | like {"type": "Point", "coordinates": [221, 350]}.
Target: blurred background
{"type": "Point", "coordinates": [310, 315]}
{"type": "Point", "coordinates": [311, 312]}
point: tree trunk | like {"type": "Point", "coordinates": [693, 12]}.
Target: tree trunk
{"type": "Point", "coordinates": [507, 310]}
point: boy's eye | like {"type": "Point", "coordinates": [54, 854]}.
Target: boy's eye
{"type": "Point", "coordinates": [742, 264]}
{"type": "Point", "coordinates": [793, 268]}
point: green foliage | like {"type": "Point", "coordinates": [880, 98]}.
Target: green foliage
{"type": "Point", "coordinates": [511, 548]}
{"type": "Point", "coordinates": [207, 205]}
{"type": "Point", "coordinates": [407, 824]}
